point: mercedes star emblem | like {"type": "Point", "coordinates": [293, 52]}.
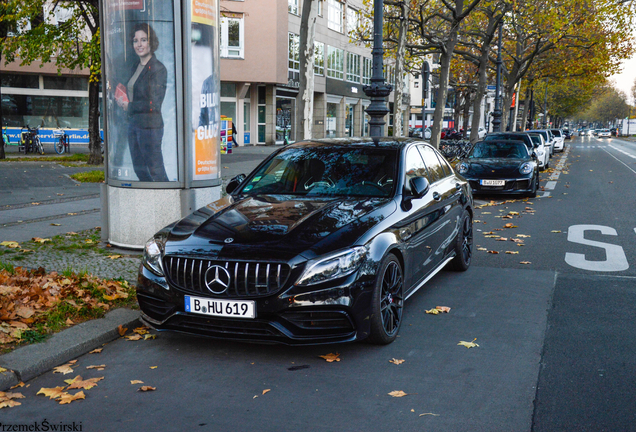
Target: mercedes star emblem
{"type": "Point", "coordinates": [229, 240]}
{"type": "Point", "coordinates": [217, 279]}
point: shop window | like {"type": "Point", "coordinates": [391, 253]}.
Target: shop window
{"type": "Point", "coordinates": [331, 120]}
{"type": "Point", "coordinates": [45, 111]}
{"type": "Point", "coordinates": [19, 80]}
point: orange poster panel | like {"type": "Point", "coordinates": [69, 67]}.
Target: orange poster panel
{"type": "Point", "coordinates": [205, 151]}
{"type": "Point", "coordinates": [204, 12]}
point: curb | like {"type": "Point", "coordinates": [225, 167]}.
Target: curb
{"type": "Point", "coordinates": [30, 361]}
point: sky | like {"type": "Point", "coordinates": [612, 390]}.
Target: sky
{"type": "Point", "coordinates": [625, 80]}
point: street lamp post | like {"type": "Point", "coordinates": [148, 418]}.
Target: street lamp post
{"type": "Point", "coordinates": [496, 115]}
{"type": "Point", "coordinates": [378, 90]}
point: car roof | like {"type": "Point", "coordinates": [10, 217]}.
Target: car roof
{"type": "Point", "coordinates": [358, 142]}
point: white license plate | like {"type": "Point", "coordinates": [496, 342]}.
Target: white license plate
{"type": "Point", "coordinates": [222, 308]}
{"type": "Point", "coordinates": [493, 182]}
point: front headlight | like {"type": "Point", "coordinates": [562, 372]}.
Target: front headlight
{"type": "Point", "coordinates": [540, 152]}
{"type": "Point", "coordinates": [332, 266]}
{"type": "Point", "coordinates": [526, 168]}
{"type": "Point", "coordinates": [462, 168]}
{"type": "Point", "coordinates": [152, 257]}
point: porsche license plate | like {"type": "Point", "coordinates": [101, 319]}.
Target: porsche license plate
{"type": "Point", "coordinates": [493, 182]}
{"type": "Point", "coordinates": [221, 308]}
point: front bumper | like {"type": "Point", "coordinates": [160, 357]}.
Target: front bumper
{"type": "Point", "coordinates": [512, 186]}
{"type": "Point", "coordinates": [334, 314]}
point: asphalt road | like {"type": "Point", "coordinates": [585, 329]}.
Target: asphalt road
{"type": "Point", "coordinates": [554, 337]}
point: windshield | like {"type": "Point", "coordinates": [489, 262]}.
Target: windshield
{"type": "Point", "coordinates": [509, 137]}
{"type": "Point", "coordinates": [556, 132]}
{"type": "Point", "coordinates": [502, 149]}
{"type": "Point", "coordinates": [327, 171]}
{"type": "Point", "coordinates": [536, 139]}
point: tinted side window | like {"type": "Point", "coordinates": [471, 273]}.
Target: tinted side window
{"type": "Point", "coordinates": [414, 166]}
{"type": "Point", "coordinates": [444, 163]}
{"type": "Point", "coordinates": [435, 170]}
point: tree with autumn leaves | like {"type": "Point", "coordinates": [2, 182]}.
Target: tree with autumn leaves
{"type": "Point", "coordinates": [72, 44]}
{"type": "Point", "coordinates": [570, 43]}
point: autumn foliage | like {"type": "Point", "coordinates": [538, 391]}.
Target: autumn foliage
{"type": "Point", "coordinates": [34, 303]}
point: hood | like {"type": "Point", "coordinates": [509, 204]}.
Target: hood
{"type": "Point", "coordinates": [495, 167]}
{"type": "Point", "coordinates": [275, 226]}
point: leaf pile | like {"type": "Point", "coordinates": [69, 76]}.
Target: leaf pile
{"type": "Point", "coordinates": [34, 303]}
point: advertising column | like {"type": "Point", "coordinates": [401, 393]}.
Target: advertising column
{"type": "Point", "coordinates": [161, 103]}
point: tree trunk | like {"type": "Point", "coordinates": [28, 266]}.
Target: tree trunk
{"type": "Point", "coordinates": [305, 98]}
{"type": "Point", "coordinates": [526, 107]}
{"type": "Point", "coordinates": [95, 157]}
{"type": "Point", "coordinates": [398, 129]}
{"type": "Point", "coordinates": [442, 91]}
{"type": "Point", "coordinates": [466, 118]}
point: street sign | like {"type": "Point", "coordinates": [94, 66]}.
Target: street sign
{"type": "Point", "coordinates": [492, 87]}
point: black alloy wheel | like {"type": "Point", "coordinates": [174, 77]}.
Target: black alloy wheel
{"type": "Point", "coordinates": [535, 187]}
{"type": "Point", "coordinates": [463, 244]}
{"type": "Point", "coordinates": [388, 302]}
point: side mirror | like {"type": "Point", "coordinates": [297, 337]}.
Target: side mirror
{"type": "Point", "coordinates": [234, 183]}
{"type": "Point", "coordinates": [419, 186]}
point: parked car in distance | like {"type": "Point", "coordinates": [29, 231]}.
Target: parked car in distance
{"type": "Point", "coordinates": [559, 140]}
{"type": "Point", "coordinates": [547, 137]}
{"type": "Point", "coordinates": [323, 242]}
{"type": "Point", "coordinates": [539, 148]}
{"type": "Point", "coordinates": [481, 133]}
{"type": "Point", "coordinates": [604, 133]}
{"type": "Point", "coordinates": [501, 167]}
{"type": "Point", "coordinates": [512, 136]}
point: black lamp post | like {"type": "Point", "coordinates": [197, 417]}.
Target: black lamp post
{"type": "Point", "coordinates": [378, 90]}
{"type": "Point", "coordinates": [496, 115]}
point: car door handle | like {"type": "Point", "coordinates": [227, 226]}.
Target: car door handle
{"type": "Point", "coordinates": [458, 186]}
{"type": "Point", "coordinates": [436, 196]}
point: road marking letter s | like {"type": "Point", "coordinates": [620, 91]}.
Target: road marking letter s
{"type": "Point", "coordinates": [615, 261]}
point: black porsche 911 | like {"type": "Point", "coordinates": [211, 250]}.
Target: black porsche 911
{"type": "Point", "coordinates": [501, 167]}
{"type": "Point", "coordinates": [323, 242]}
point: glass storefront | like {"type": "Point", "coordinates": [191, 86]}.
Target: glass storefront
{"type": "Point", "coordinates": [45, 111]}
{"type": "Point", "coordinates": [284, 118]}
{"type": "Point", "coordinates": [331, 120]}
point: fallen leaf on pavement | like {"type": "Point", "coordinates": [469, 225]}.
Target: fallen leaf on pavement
{"type": "Point", "coordinates": [431, 414]}
{"type": "Point", "coordinates": [523, 235]}
{"type": "Point", "coordinates": [147, 388]}
{"type": "Point", "coordinates": [10, 244]}
{"type": "Point", "coordinates": [331, 357]}
{"type": "Point", "coordinates": [525, 262]}
{"type": "Point", "coordinates": [67, 398]}
{"type": "Point", "coordinates": [55, 224]}
{"type": "Point", "coordinates": [516, 240]}
{"type": "Point", "coordinates": [492, 236]}
{"type": "Point", "coordinates": [444, 309]}
{"type": "Point", "coordinates": [432, 311]}
{"type": "Point", "coordinates": [482, 249]}
{"type": "Point", "coordinates": [150, 336]}
{"type": "Point", "coordinates": [113, 257]}
{"type": "Point", "coordinates": [266, 391]}
{"type": "Point", "coordinates": [509, 225]}
{"type": "Point", "coordinates": [52, 393]}
{"type": "Point", "coordinates": [512, 252]}
{"type": "Point", "coordinates": [122, 330]}
{"type": "Point", "coordinates": [78, 383]}
{"type": "Point", "coordinates": [397, 393]}
{"type": "Point", "coordinates": [396, 361]}
{"type": "Point", "coordinates": [154, 367]}
{"type": "Point", "coordinates": [493, 252]}
{"type": "Point", "coordinates": [502, 239]}
{"type": "Point", "coordinates": [134, 337]}
{"type": "Point", "coordinates": [41, 240]}
{"type": "Point", "coordinates": [468, 344]}
{"type": "Point", "coordinates": [513, 213]}
{"type": "Point", "coordinates": [98, 367]}
{"type": "Point", "coordinates": [136, 382]}
{"type": "Point", "coordinates": [64, 369]}
{"type": "Point", "coordinates": [96, 351]}
{"type": "Point", "coordinates": [556, 231]}
{"type": "Point", "coordinates": [141, 330]}
{"type": "Point", "coordinates": [20, 384]}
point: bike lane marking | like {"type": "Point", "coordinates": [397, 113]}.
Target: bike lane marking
{"type": "Point", "coordinates": [627, 166]}
{"type": "Point", "coordinates": [553, 177]}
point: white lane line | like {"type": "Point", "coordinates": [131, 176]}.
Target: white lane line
{"type": "Point", "coordinates": [545, 195]}
{"type": "Point", "coordinates": [624, 152]}
{"type": "Point", "coordinates": [628, 167]}
{"type": "Point", "coordinates": [550, 185]}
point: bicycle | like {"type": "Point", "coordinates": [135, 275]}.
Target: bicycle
{"type": "Point", "coordinates": [30, 142]}
{"type": "Point", "coordinates": [62, 144]}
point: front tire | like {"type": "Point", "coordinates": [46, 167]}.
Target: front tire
{"type": "Point", "coordinates": [463, 244]}
{"type": "Point", "coordinates": [59, 146]}
{"type": "Point", "coordinates": [387, 302]}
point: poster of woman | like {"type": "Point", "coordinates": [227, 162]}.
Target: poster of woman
{"type": "Point", "coordinates": [140, 72]}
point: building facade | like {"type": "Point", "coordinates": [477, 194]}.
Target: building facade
{"type": "Point", "coordinates": [260, 70]}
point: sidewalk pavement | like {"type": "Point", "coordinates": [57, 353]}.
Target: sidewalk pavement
{"type": "Point", "coordinates": [39, 199]}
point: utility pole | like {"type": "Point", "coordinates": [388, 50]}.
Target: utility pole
{"type": "Point", "coordinates": [378, 90]}
{"type": "Point", "coordinates": [496, 115]}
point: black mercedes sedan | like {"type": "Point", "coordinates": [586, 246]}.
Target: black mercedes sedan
{"type": "Point", "coordinates": [501, 167]}
{"type": "Point", "coordinates": [323, 242]}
